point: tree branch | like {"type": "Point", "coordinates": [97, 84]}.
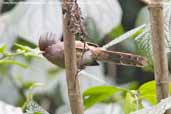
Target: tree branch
{"type": "Point", "coordinates": [159, 51]}
{"type": "Point", "coordinates": [70, 61]}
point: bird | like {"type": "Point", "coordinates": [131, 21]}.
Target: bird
{"type": "Point", "coordinates": [87, 54]}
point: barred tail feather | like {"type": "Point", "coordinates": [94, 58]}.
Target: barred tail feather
{"type": "Point", "coordinates": [120, 58]}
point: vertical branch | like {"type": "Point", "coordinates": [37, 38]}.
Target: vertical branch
{"type": "Point", "coordinates": [75, 98]}
{"type": "Point", "coordinates": [159, 52]}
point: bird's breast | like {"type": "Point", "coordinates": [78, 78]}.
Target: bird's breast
{"type": "Point", "coordinates": [55, 54]}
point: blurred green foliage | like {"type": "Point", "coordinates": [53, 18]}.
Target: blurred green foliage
{"type": "Point", "coordinates": [100, 93]}
{"type": "Point", "coordinates": [132, 98]}
{"type": "Point", "coordinates": [117, 31]}
{"type": "Point", "coordinates": [131, 102]}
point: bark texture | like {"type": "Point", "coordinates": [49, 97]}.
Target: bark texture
{"type": "Point", "coordinates": [159, 52]}
{"type": "Point", "coordinates": [75, 98]}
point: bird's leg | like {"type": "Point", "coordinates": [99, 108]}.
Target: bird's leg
{"type": "Point", "coordinates": [80, 64]}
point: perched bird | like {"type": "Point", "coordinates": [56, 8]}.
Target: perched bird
{"type": "Point", "coordinates": [87, 54]}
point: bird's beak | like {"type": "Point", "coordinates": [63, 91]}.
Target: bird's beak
{"type": "Point", "coordinates": [41, 52]}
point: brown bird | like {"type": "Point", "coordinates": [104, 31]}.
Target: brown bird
{"type": "Point", "coordinates": [53, 50]}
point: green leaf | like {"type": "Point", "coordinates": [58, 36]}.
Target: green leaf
{"type": "Point", "coordinates": [97, 94]}
{"type": "Point", "coordinates": [170, 87]}
{"type": "Point", "coordinates": [133, 85]}
{"type": "Point", "coordinates": [31, 85]}
{"type": "Point", "coordinates": [148, 91]}
{"type": "Point", "coordinates": [28, 52]}
{"type": "Point", "coordinates": [148, 87]}
{"type": "Point", "coordinates": [3, 47]}
{"type": "Point", "coordinates": [26, 48]}
{"type": "Point", "coordinates": [102, 89]}
{"type": "Point", "coordinates": [131, 104]}
{"type": "Point", "coordinates": [6, 61]}
{"type": "Point", "coordinates": [117, 31]}
{"type": "Point", "coordinates": [151, 98]}
{"type": "Point", "coordinates": [38, 113]}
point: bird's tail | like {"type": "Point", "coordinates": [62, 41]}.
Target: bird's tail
{"type": "Point", "coordinates": [120, 58]}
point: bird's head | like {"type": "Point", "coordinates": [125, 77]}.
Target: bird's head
{"type": "Point", "coordinates": [47, 40]}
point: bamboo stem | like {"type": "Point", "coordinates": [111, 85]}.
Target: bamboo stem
{"type": "Point", "coordinates": [159, 52]}
{"type": "Point", "coordinates": [75, 98]}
